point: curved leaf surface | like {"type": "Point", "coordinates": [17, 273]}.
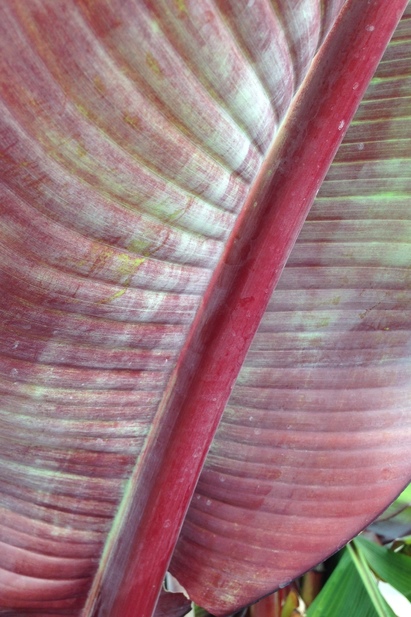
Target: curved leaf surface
{"type": "Point", "coordinates": [115, 212]}
{"type": "Point", "coordinates": [316, 436]}
{"type": "Point", "coordinates": [135, 139]}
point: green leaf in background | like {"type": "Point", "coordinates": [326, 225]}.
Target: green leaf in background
{"type": "Point", "coordinates": [395, 523]}
{"type": "Point", "coordinates": [351, 590]}
{"type": "Point", "coordinates": [405, 497]}
{"type": "Point", "coordinates": [394, 568]}
{"type": "Point", "coordinates": [199, 612]}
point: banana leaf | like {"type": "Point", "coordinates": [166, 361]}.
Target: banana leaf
{"type": "Point", "coordinates": [158, 161]}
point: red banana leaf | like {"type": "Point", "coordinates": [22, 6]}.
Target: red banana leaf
{"type": "Point", "coordinates": [157, 165]}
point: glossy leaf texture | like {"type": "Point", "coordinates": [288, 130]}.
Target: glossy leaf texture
{"type": "Point", "coordinates": [132, 137]}
{"type": "Point", "coordinates": [316, 436]}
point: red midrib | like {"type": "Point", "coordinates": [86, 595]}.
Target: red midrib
{"type": "Point", "coordinates": [167, 472]}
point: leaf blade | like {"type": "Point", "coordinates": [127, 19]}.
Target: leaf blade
{"type": "Point", "coordinates": [140, 262]}
{"type": "Point", "coordinates": [321, 358]}
{"type": "Point", "coordinates": [393, 568]}
{"type": "Point", "coordinates": [350, 587]}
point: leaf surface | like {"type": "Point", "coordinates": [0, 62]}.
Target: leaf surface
{"type": "Point", "coordinates": [137, 153]}
{"type": "Point", "coordinates": [316, 435]}
{"type": "Point", "coordinates": [172, 605]}
{"type": "Point", "coordinates": [351, 588]}
{"type": "Point", "coordinates": [393, 568]}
